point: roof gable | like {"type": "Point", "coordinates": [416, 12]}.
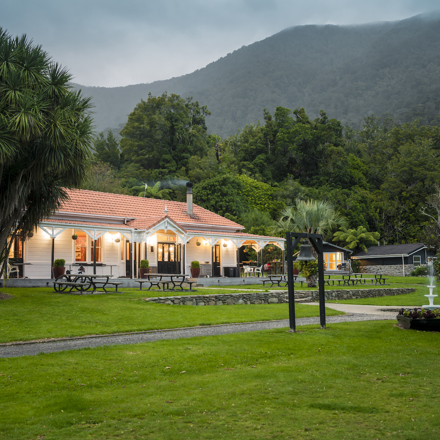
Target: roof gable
{"type": "Point", "coordinates": [139, 211]}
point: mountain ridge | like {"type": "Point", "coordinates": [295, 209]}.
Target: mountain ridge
{"type": "Point", "coordinates": [348, 71]}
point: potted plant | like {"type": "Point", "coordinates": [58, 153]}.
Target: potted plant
{"type": "Point", "coordinates": [198, 243]}
{"type": "Point", "coordinates": [58, 268]}
{"type": "Point", "coordinates": [195, 269]}
{"type": "Point", "coordinates": [295, 268]}
{"type": "Point", "coordinates": [74, 236]}
{"type": "Point", "coordinates": [144, 268]}
{"type": "Point", "coordinates": [310, 270]}
{"type": "Point", "coordinates": [419, 319]}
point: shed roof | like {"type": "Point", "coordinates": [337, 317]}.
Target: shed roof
{"type": "Point", "coordinates": [390, 251]}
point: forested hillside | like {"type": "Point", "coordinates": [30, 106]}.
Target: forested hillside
{"type": "Point", "coordinates": [380, 178]}
{"type": "Point", "coordinates": [349, 71]}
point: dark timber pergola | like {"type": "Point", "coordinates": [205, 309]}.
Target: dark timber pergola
{"type": "Point", "coordinates": [292, 240]}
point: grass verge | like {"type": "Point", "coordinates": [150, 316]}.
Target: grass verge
{"type": "Point", "coordinates": [38, 313]}
{"type": "Point", "coordinates": [362, 381]}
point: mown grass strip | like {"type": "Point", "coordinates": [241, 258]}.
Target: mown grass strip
{"type": "Point", "coordinates": [354, 380]}
{"type": "Point", "coordinates": [37, 313]}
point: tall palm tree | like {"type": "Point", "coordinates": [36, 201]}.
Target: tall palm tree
{"type": "Point", "coordinates": [45, 137]}
{"type": "Point", "coordinates": [309, 216]}
{"type": "Point", "coordinates": [312, 217]}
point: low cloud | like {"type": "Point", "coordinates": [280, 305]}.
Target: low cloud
{"type": "Point", "coordinates": [110, 43]}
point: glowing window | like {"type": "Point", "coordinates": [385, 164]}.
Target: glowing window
{"type": "Point", "coordinates": [81, 246]}
{"type": "Point", "coordinates": [98, 250]}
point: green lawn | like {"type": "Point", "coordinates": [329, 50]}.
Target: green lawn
{"type": "Point", "coordinates": [38, 313]}
{"type": "Point", "coordinates": [415, 299]}
{"type": "Point", "coordinates": [362, 381]}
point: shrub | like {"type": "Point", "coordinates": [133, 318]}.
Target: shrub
{"type": "Point", "coordinates": [419, 271]}
{"type": "Point", "coordinates": [308, 268]}
{"type": "Point", "coordinates": [59, 263]}
{"type": "Point", "coordinates": [418, 313]}
{"type": "Point", "coordinates": [195, 265]}
{"type": "Point", "coordinates": [145, 264]}
{"type": "Point", "coordinates": [355, 266]}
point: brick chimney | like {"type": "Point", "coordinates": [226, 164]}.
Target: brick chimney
{"type": "Point", "coordinates": [189, 198]}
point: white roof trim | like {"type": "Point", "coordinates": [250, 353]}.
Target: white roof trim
{"type": "Point", "coordinates": [59, 215]}
{"type": "Point", "coordinates": [208, 227]}
{"type": "Point", "coordinates": [365, 257]}
{"type": "Point", "coordinates": [84, 226]}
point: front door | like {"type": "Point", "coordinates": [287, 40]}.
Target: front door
{"type": "Point", "coordinates": [168, 258]}
{"type": "Point", "coordinates": [216, 270]}
{"type": "Point", "coordinates": [128, 258]}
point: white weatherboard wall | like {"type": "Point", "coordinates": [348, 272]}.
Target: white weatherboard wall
{"type": "Point", "coordinates": [38, 252]}
{"type": "Point", "coordinates": [203, 254]}
{"type": "Point", "coordinates": [111, 253]}
{"type": "Point", "coordinates": [200, 253]}
{"type": "Point", "coordinates": [228, 255]}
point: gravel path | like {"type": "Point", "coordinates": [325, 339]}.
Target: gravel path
{"type": "Point", "coordinates": [36, 347]}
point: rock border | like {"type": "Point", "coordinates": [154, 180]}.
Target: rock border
{"type": "Point", "coordinates": [274, 297]}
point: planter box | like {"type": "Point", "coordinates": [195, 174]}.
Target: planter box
{"type": "Point", "coordinates": [143, 271]}
{"type": "Point", "coordinates": [58, 271]}
{"type": "Point", "coordinates": [427, 325]}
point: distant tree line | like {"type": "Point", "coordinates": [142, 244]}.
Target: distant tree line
{"type": "Point", "coordinates": [380, 178]}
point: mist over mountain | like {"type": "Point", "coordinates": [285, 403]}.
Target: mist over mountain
{"type": "Point", "coordinates": [348, 71]}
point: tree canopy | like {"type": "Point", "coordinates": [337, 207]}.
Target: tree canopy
{"type": "Point", "coordinates": [45, 136]}
{"type": "Point", "coordinates": [164, 132]}
{"type": "Point", "coordinates": [379, 177]}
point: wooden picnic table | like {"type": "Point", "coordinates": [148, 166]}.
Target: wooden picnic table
{"type": "Point", "coordinates": [353, 279]}
{"type": "Point", "coordinates": [161, 279]}
{"type": "Point", "coordinates": [84, 282]}
{"type": "Point", "coordinates": [278, 279]}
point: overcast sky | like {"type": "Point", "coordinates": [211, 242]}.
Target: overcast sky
{"type": "Point", "coordinates": [120, 42]}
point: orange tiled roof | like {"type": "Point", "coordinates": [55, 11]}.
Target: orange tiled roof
{"type": "Point", "coordinates": [234, 234]}
{"type": "Point", "coordinates": [146, 211]}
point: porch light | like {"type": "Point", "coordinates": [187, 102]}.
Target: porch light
{"type": "Point", "coordinates": [305, 253]}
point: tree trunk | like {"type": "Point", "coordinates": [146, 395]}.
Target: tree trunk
{"type": "Point", "coordinates": [312, 281]}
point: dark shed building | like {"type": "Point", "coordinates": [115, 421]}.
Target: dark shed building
{"type": "Point", "coordinates": [404, 257]}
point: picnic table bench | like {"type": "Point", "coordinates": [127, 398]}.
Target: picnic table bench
{"type": "Point", "coordinates": [377, 279]}
{"type": "Point", "coordinates": [278, 279]}
{"type": "Point", "coordinates": [84, 283]}
{"type": "Point", "coordinates": [161, 281]}
{"type": "Point", "coordinates": [353, 279]}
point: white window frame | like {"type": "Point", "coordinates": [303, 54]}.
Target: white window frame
{"type": "Point", "coordinates": [419, 262]}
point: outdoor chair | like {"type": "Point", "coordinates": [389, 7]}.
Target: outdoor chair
{"type": "Point", "coordinates": [13, 269]}
{"type": "Point", "coordinates": [248, 270]}
{"type": "Point", "coordinates": [259, 271]}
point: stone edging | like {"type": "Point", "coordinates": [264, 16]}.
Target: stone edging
{"type": "Point", "coordinates": [274, 297]}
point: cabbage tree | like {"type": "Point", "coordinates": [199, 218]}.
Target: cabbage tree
{"type": "Point", "coordinates": [45, 137]}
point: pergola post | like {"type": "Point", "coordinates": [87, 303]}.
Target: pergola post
{"type": "Point", "coordinates": [53, 257]}
{"type": "Point", "coordinates": [94, 256]}
{"type": "Point", "coordinates": [132, 257]}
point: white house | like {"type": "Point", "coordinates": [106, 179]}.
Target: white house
{"type": "Point", "coordinates": [114, 232]}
